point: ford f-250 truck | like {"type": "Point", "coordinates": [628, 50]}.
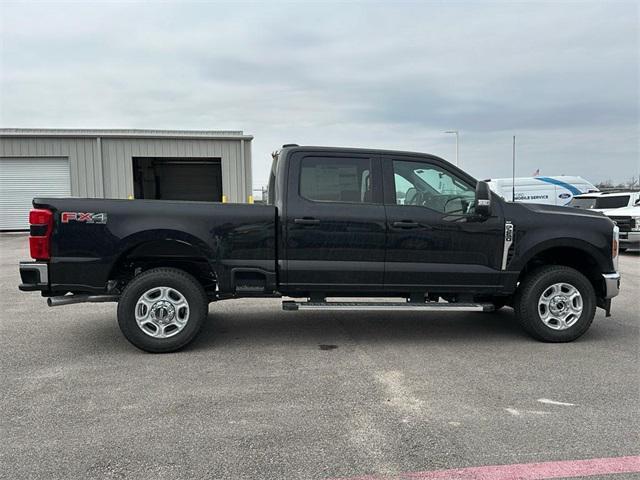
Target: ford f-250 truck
{"type": "Point", "coordinates": [338, 223]}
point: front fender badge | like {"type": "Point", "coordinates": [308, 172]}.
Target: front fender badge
{"type": "Point", "coordinates": [508, 241]}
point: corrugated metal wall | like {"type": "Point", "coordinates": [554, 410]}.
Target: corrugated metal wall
{"type": "Point", "coordinates": [102, 167]}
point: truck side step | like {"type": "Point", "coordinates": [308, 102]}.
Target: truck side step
{"type": "Point", "coordinates": [432, 306]}
{"type": "Point", "coordinates": [250, 289]}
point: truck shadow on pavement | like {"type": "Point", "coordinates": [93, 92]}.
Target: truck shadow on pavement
{"type": "Point", "coordinates": [227, 330]}
{"type": "Point", "coordinates": [273, 328]}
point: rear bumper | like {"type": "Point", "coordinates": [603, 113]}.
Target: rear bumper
{"type": "Point", "coordinates": [34, 276]}
{"type": "Point", "coordinates": [611, 284]}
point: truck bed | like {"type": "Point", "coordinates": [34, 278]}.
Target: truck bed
{"type": "Point", "coordinates": [85, 248]}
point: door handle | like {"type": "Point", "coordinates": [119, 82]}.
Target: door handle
{"type": "Point", "coordinates": [405, 224]}
{"type": "Point", "coordinates": [306, 221]}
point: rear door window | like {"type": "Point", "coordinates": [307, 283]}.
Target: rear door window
{"type": "Point", "coordinates": [331, 179]}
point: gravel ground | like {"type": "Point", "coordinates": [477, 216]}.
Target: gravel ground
{"type": "Point", "coordinates": [264, 393]}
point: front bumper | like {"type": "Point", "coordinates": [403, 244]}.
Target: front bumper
{"type": "Point", "coordinates": [630, 239]}
{"type": "Point", "coordinates": [34, 276]}
{"type": "Point", "coordinates": [611, 285]}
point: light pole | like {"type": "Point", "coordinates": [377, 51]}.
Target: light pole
{"type": "Point", "coordinates": [513, 172]}
{"type": "Point", "coordinates": [457, 143]}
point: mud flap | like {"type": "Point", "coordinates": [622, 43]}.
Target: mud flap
{"type": "Point", "coordinates": [605, 305]}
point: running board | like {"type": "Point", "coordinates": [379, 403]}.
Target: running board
{"type": "Point", "coordinates": [431, 306]}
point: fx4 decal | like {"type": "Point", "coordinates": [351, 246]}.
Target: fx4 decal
{"type": "Point", "coordinates": [86, 217]}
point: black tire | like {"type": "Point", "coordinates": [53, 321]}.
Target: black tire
{"type": "Point", "coordinates": [622, 249]}
{"type": "Point", "coordinates": [183, 283]}
{"type": "Point", "coordinates": [530, 292]}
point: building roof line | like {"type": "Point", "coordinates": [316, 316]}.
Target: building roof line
{"type": "Point", "coordinates": [124, 133]}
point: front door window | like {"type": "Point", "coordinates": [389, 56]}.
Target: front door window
{"type": "Point", "coordinates": [426, 185]}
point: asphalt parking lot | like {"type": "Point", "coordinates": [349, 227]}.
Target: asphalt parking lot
{"type": "Point", "coordinates": [264, 393]}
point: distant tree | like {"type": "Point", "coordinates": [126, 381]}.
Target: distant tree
{"type": "Point", "coordinates": [605, 184]}
{"type": "Point", "coordinates": [631, 184]}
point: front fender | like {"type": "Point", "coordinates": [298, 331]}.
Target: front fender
{"type": "Point", "coordinates": [528, 250]}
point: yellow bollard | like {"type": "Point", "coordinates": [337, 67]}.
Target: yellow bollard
{"type": "Point", "coordinates": [224, 199]}
{"type": "Point", "coordinates": [250, 200]}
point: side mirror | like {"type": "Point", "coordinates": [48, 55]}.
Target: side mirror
{"type": "Point", "coordinates": [483, 199]}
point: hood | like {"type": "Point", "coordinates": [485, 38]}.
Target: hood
{"type": "Point", "coordinates": [623, 212]}
{"type": "Point", "coordinates": [559, 210]}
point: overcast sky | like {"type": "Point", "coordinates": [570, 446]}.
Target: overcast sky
{"type": "Point", "coordinates": [562, 76]}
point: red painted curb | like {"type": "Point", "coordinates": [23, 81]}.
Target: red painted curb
{"type": "Point", "coordinates": [523, 471]}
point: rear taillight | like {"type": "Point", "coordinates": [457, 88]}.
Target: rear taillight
{"type": "Point", "coordinates": [41, 226]}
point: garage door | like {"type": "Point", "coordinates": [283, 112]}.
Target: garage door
{"type": "Point", "coordinates": [196, 179]}
{"type": "Point", "coordinates": [22, 179]}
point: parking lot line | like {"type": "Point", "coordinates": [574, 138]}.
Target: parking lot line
{"type": "Point", "coordinates": [524, 471]}
{"type": "Point", "coordinates": [555, 402]}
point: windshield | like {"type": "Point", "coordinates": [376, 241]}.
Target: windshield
{"type": "Point", "coordinates": [582, 202]}
{"type": "Point", "coordinates": [612, 202]}
{"type": "Point", "coordinates": [440, 182]}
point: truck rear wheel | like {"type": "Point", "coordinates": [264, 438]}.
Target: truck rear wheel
{"type": "Point", "coordinates": [555, 304]}
{"type": "Point", "coordinates": [162, 310]}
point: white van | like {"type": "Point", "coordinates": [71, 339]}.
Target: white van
{"type": "Point", "coordinates": [548, 190]}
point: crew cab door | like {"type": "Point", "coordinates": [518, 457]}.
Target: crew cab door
{"type": "Point", "coordinates": [334, 222]}
{"type": "Point", "coordinates": [434, 240]}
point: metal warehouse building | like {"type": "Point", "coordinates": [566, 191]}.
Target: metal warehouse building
{"type": "Point", "coordinates": [151, 164]}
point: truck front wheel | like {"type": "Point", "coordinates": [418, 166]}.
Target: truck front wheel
{"type": "Point", "coordinates": [162, 310]}
{"type": "Point", "coordinates": [555, 304]}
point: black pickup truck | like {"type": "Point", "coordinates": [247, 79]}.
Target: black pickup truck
{"type": "Point", "coordinates": [338, 223]}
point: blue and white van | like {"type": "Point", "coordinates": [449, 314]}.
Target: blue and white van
{"type": "Point", "coordinates": [558, 190]}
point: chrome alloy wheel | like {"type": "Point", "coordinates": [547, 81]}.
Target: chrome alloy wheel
{"type": "Point", "coordinates": [162, 312]}
{"type": "Point", "coordinates": [560, 306]}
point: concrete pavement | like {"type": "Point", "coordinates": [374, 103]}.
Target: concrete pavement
{"type": "Point", "coordinates": [256, 396]}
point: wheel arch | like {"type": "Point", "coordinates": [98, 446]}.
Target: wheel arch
{"type": "Point", "coordinates": [164, 248]}
{"type": "Point", "coordinates": [576, 254]}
